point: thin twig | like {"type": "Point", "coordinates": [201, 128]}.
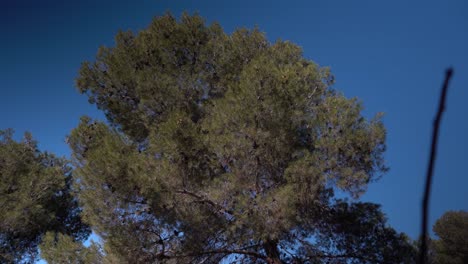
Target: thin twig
{"type": "Point", "coordinates": [430, 168]}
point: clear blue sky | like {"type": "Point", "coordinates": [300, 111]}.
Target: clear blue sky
{"type": "Point", "coordinates": [390, 54]}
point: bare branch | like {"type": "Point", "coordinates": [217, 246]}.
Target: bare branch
{"type": "Point", "coordinates": [430, 168]}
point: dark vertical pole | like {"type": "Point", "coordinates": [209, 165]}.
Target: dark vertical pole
{"type": "Point", "coordinates": [430, 168]}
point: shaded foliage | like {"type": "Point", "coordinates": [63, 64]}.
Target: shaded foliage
{"type": "Point", "coordinates": [452, 245]}
{"type": "Point", "coordinates": [35, 197]}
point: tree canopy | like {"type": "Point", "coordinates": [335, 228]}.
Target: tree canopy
{"type": "Point", "coordinates": [226, 147]}
{"type": "Point", "coordinates": [452, 246]}
{"type": "Point", "coordinates": [35, 198]}
{"type": "Point", "coordinates": [218, 148]}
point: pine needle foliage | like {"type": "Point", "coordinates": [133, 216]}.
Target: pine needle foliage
{"type": "Point", "coordinates": [226, 147]}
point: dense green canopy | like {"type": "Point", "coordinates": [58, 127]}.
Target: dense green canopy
{"type": "Point", "coordinates": [35, 197]}
{"type": "Point", "coordinates": [226, 147]}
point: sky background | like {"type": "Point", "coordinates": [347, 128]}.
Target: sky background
{"type": "Point", "coordinates": [390, 54]}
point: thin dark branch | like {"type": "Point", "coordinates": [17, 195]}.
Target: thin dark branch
{"type": "Point", "coordinates": [203, 199]}
{"type": "Point", "coordinates": [430, 168]}
{"type": "Point", "coordinates": [342, 256]}
{"type": "Point", "coordinates": [219, 251]}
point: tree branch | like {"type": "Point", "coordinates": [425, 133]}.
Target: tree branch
{"type": "Point", "coordinates": [221, 251]}
{"type": "Point", "coordinates": [340, 256]}
{"type": "Point", "coordinates": [203, 199]}
{"type": "Point", "coordinates": [430, 168]}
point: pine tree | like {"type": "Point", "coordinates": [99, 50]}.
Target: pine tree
{"type": "Point", "coordinates": [226, 147]}
{"type": "Point", "coordinates": [452, 245]}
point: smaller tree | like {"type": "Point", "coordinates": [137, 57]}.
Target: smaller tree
{"type": "Point", "coordinates": [452, 245]}
{"type": "Point", "coordinates": [35, 197]}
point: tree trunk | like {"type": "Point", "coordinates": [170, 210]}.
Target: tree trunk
{"type": "Point", "coordinates": [272, 252]}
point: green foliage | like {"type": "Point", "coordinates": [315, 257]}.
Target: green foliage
{"type": "Point", "coordinates": [35, 197]}
{"type": "Point", "coordinates": [226, 146]}
{"type": "Point", "coordinates": [60, 248]}
{"type": "Point", "coordinates": [452, 245]}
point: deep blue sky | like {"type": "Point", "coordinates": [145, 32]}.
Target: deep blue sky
{"type": "Point", "coordinates": [390, 54]}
